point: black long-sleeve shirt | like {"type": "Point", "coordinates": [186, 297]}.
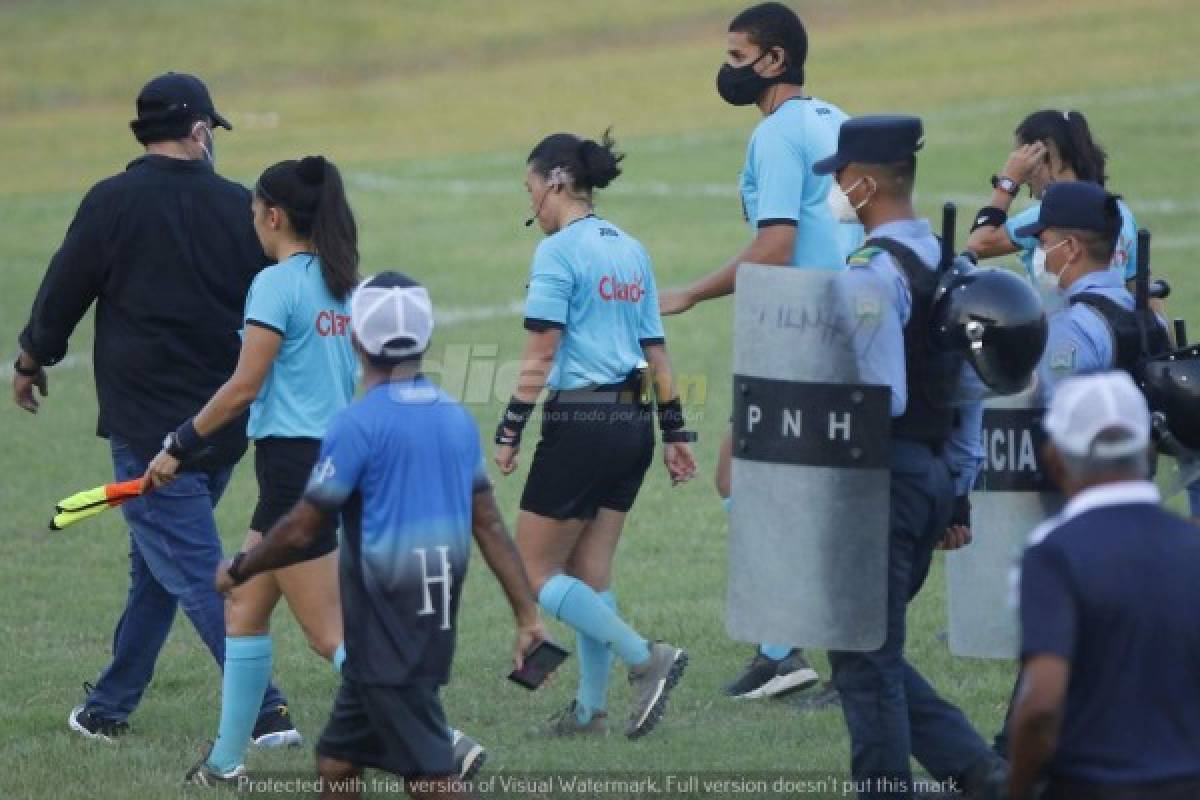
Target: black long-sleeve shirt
{"type": "Point", "coordinates": [168, 250]}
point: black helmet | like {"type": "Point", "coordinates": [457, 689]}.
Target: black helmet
{"type": "Point", "coordinates": [1171, 383]}
{"type": "Point", "coordinates": [996, 320]}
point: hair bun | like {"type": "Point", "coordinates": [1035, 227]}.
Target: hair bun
{"type": "Point", "coordinates": [312, 170]}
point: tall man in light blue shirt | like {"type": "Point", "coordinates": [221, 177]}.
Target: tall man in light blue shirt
{"type": "Point", "coordinates": [786, 207]}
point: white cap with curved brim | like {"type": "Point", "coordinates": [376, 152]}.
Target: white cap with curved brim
{"type": "Point", "coordinates": [391, 316]}
{"type": "Point", "coordinates": [1102, 415]}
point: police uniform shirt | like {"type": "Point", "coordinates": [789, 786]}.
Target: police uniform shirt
{"type": "Point", "coordinates": [595, 283]}
{"type": "Point", "coordinates": [778, 186]}
{"type": "Point", "coordinates": [1124, 260]}
{"type": "Point", "coordinates": [312, 377]}
{"type": "Point", "coordinates": [1111, 586]}
{"type": "Point", "coordinates": [1079, 340]}
{"type": "Point", "coordinates": [401, 466]}
{"type": "Point", "coordinates": [879, 303]}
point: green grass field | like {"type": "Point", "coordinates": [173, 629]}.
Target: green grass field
{"type": "Point", "coordinates": [430, 108]}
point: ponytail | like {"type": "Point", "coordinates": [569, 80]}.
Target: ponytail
{"type": "Point", "coordinates": [1071, 135]}
{"type": "Point", "coordinates": [311, 193]}
{"type": "Point", "coordinates": [591, 165]}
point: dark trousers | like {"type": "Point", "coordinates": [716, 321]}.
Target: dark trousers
{"type": "Point", "coordinates": [174, 549]}
{"type": "Point", "coordinates": [1187, 789]}
{"type": "Point", "coordinates": [892, 712]}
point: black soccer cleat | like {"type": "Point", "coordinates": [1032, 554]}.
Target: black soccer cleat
{"type": "Point", "coordinates": [469, 755]}
{"type": "Point", "coordinates": [275, 729]}
{"type": "Point", "coordinates": [202, 774]}
{"type": "Point", "coordinates": [766, 677]}
{"type": "Point", "coordinates": [92, 726]}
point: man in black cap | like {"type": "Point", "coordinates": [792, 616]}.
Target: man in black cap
{"type": "Point", "coordinates": [167, 251]}
{"type": "Point", "coordinates": [891, 711]}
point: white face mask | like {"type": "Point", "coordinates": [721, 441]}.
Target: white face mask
{"type": "Point", "coordinates": [839, 203]}
{"type": "Point", "coordinates": [1046, 281]}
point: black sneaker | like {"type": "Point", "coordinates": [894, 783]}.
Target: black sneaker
{"type": "Point", "coordinates": [469, 755]}
{"type": "Point", "coordinates": [766, 677]}
{"type": "Point", "coordinates": [201, 774]}
{"type": "Point", "coordinates": [275, 729]}
{"type": "Point", "coordinates": [826, 698]}
{"type": "Point", "coordinates": [91, 725]}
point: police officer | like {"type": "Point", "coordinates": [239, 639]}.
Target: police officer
{"type": "Point", "coordinates": [790, 219]}
{"type": "Point", "coordinates": [1094, 328]}
{"type": "Point", "coordinates": [891, 711]}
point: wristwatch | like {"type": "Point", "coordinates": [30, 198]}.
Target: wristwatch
{"type": "Point", "coordinates": [1006, 184]}
{"type": "Point", "coordinates": [171, 445]}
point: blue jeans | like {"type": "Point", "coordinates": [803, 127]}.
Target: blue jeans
{"type": "Point", "coordinates": [892, 712]}
{"type": "Point", "coordinates": [173, 556]}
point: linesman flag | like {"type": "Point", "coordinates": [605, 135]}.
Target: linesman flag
{"type": "Point", "coordinates": [89, 503]}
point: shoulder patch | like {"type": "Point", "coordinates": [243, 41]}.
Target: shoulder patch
{"type": "Point", "coordinates": [863, 255]}
{"type": "Point", "coordinates": [1062, 360]}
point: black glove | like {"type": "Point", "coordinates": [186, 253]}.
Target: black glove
{"type": "Point", "coordinates": [961, 515]}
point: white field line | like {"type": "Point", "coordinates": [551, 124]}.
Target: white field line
{"type": "Point", "coordinates": [447, 317]}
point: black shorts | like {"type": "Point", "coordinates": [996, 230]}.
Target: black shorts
{"type": "Point", "coordinates": [593, 455]}
{"type": "Point", "coordinates": [283, 467]}
{"type": "Point", "coordinates": [398, 729]}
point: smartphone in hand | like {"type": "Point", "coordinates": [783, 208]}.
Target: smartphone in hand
{"type": "Point", "coordinates": [543, 659]}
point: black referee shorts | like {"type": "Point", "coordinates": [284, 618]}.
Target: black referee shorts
{"type": "Point", "coordinates": [398, 729]}
{"type": "Point", "coordinates": [594, 453]}
{"type": "Point", "coordinates": [283, 467]}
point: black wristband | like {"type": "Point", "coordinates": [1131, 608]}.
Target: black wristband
{"type": "Point", "coordinates": [679, 436]}
{"type": "Point", "coordinates": [989, 217]}
{"type": "Point", "coordinates": [670, 416]}
{"type": "Point", "coordinates": [234, 570]}
{"type": "Point", "coordinates": [186, 438]}
{"type": "Point", "coordinates": [25, 372]}
{"type": "Point", "coordinates": [508, 432]}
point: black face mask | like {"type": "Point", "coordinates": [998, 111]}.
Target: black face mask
{"type": "Point", "coordinates": [741, 86]}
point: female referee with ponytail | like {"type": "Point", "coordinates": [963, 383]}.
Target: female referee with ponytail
{"type": "Point", "coordinates": [594, 327]}
{"type": "Point", "coordinates": [1050, 146]}
{"type": "Point", "coordinates": [296, 370]}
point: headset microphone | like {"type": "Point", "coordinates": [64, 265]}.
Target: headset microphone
{"type": "Point", "coordinates": [529, 222]}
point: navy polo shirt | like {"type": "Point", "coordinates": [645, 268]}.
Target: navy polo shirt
{"type": "Point", "coordinates": [1113, 585]}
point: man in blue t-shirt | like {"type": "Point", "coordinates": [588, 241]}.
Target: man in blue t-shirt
{"type": "Point", "coordinates": [788, 209]}
{"type": "Point", "coordinates": [404, 470]}
{"type": "Point", "coordinates": [1110, 637]}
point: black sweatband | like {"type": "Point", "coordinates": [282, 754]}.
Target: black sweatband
{"type": "Point", "coordinates": [186, 438]}
{"type": "Point", "coordinates": [670, 415]}
{"type": "Point", "coordinates": [989, 217]}
{"type": "Point", "coordinates": [678, 436]}
{"type": "Point", "coordinates": [25, 372]}
{"type": "Point", "coordinates": [508, 432]}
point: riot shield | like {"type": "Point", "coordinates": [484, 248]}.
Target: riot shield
{"type": "Point", "coordinates": [808, 550]}
{"type": "Point", "coordinates": [1012, 496]}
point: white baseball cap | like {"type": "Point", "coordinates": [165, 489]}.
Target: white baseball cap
{"type": "Point", "coordinates": [391, 316]}
{"type": "Point", "coordinates": [1086, 406]}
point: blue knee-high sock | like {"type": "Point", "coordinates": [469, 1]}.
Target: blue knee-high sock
{"type": "Point", "coordinates": [578, 605]}
{"type": "Point", "coordinates": [595, 663]}
{"type": "Point", "coordinates": [339, 658]}
{"type": "Point", "coordinates": [247, 672]}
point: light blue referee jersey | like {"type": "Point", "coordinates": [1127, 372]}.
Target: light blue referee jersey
{"type": "Point", "coordinates": [312, 377]}
{"type": "Point", "coordinates": [778, 184]}
{"type": "Point", "coordinates": [596, 284]}
{"type": "Point", "coordinates": [1124, 260]}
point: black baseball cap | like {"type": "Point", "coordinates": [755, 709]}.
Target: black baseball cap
{"type": "Point", "coordinates": [1071, 204]}
{"type": "Point", "coordinates": [874, 139]}
{"type": "Point", "coordinates": [177, 95]}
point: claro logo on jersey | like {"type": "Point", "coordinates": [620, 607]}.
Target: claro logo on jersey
{"type": "Point", "coordinates": [331, 323]}
{"type": "Point", "coordinates": [611, 288]}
